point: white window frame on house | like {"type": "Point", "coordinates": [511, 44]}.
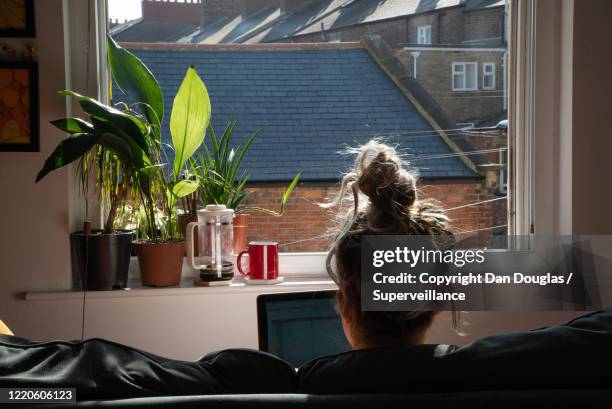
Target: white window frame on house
{"type": "Point", "coordinates": [488, 75]}
{"type": "Point", "coordinates": [424, 35]}
{"type": "Point", "coordinates": [463, 72]}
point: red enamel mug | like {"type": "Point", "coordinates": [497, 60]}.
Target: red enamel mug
{"type": "Point", "coordinates": [263, 260]}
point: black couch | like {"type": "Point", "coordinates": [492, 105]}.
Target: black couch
{"type": "Point", "coordinates": [561, 366]}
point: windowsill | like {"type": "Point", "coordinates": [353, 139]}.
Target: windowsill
{"type": "Point", "coordinates": [187, 288]}
{"type": "Point", "coordinates": [301, 272]}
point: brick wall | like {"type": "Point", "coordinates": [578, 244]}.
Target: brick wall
{"type": "Point", "coordinates": [447, 26]}
{"type": "Point", "coordinates": [304, 219]}
{"type": "Point", "coordinates": [485, 24]}
{"type": "Point", "coordinates": [171, 11]}
{"type": "Point", "coordinates": [434, 73]}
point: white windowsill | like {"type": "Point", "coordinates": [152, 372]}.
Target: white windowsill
{"type": "Point", "coordinates": [187, 288]}
{"type": "Point", "coordinates": [301, 272]}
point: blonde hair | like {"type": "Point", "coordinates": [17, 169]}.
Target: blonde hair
{"type": "Point", "coordinates": [379, 197]}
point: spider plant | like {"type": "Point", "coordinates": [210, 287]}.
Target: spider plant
{"type": "Point", "coordinates": [220, 177]}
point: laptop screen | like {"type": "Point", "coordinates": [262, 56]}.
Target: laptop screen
{"type": "Point", "coordinates": [299, 327]}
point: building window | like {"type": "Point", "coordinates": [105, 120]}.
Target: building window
{"type": "Point", "coordinates": [465, 76]}
{"type": "Point", "coordinates": [488, 75]}
{"type": "Point", "coordinates": [424, 35]}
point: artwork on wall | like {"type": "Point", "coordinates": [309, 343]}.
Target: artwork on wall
{"type": "Point", "coordinates": [19, 107]}
{"type": "Point", "coordinates": [17, 18]}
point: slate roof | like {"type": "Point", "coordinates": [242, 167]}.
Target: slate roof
{"type": "Point", "coordinates": [151, 31]}
{"type": "Point", "coordinates": [368, 11]}
{"type": "Point", "coordinates": [311, 102]}
{"type": "Point", "coordinates": [307, 18]}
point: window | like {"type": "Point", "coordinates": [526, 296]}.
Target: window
{"type": "Point", "coordinates": [465, 76]}
{"type": "Point", "coordinates": [310, 100]}
{"type": "Point", "coordinates": [488, 76]}
{"type": "Point", "coordinates": [424, 35]}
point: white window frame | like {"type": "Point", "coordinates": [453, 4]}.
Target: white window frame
{"type": "Point", "coordinates": [463, 71]}
{"type": "Point", "coordinates": [526, 101]}
{"type": "Point", "coordinates": [424, 35]}
{"type": "Point", "coordinates": [485, 75]}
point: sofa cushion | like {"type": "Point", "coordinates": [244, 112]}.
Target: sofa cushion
{"type": "Point", "coordinates": [575, 355]}
{"type": "Point", "coordinates": [101, 369]}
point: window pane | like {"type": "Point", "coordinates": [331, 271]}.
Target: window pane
{"type": "Point", "coordinates": [458, 81]}
{"type": "Point", "coordinates": [323, 90]}
{"type": "Point", "coordinates": [470, 76]}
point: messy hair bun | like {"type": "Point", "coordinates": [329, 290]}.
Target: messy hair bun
{"type": "Point", "coordinates": [379, 196]}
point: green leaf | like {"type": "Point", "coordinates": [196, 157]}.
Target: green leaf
{"type": "Point", "coordinates": [73, 125]}
{"type": "Point", "coordinates": [189, 119]}
{"type": "Point", "coordinates": [68, 150]}
{"type": "Point", "coordinates": [134, 78]}
{"type": "Point", "coordinates": [151, 169]}
{"type": "Point", "coordinates": [136, 158]}
{"type": "Point", "coordinates": [289, 190]}
{"type": "Point", "coordinates": [183, 188]}
{"type": "Point", "coordinates": [128, 124]}
{"type": "Point", "coordinates": [118, 146]}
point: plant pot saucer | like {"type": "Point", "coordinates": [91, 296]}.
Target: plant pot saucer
{"type": "Point", "coordinates": [254, 281]}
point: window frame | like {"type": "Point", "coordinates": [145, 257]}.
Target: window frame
{"type": "Point", "coordinates": [464, 66]}
{"type": "Point", "coordinates": [525, 100]}
{"type": "Point", "coordinates": [424, 31]}
{"type": "Point", "coordinates": [491, 75]}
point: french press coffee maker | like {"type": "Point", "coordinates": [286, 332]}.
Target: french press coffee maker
{"type": "Point", "coordinates": [215, 242]}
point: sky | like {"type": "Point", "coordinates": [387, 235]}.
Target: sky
{"type": "Point", "coordinates": [124, 9]}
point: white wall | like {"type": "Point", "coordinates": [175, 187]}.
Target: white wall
{"type": "Point", "coordinates": [34, 251]}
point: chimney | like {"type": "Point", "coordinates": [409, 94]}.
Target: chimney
{"type": "Point", "coordinates": [187, 11]}
{"type": "Point", "coordinates": [213, 10]}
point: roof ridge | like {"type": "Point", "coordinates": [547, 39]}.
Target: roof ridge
{"type": "Point", "coordinates": [243, 47]}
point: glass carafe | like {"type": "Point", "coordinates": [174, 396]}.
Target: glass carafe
{"type": "Point", "coordinates": [215, 237]}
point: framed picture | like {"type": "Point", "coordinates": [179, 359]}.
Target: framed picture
{"type": "Point", "coordinates": [19, 107]}
{"type": "Point", "coordinates": [17, 18]}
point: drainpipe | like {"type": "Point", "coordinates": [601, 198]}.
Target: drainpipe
{"type": "Point", "coordinates": [415, 56]}
{"type": "Point", "coordinates": [505, 71]}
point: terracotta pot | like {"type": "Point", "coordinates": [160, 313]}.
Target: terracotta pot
{"type": "Point", "coordinates": [184, 220]}
{"type": "Point", "coordinates": [160, 263]}
{"type": "Point", "coordinates": [241, 229]}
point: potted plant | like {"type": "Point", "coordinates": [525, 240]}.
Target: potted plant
{"type": "Point", "coordinates": [109, 143]}
{"type": "Point", "coordinates": [221, 180]}
{"type": "Point", "coordinates": [160, 185]}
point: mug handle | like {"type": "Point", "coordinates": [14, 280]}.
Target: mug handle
{"type": "Point", "coordinates": [239, 262]}
{"type": "Point", "coordinates": [189, 239]}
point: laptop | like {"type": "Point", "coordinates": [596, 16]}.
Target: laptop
{"type": "Point", "coordinates": [301, 326]}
